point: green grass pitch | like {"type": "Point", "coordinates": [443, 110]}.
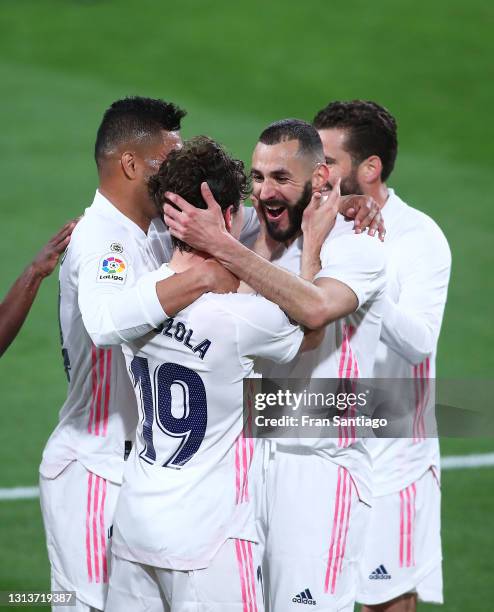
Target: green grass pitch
{"type": "Point", "coordinates": [235, 67]}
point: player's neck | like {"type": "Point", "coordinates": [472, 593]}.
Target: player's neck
{"type": "Point", "coordinates": [379, 192]}
{"type": "Point", "coordinates": [182, 261]}
{"type": "Point", "coordinates": [127, 205]}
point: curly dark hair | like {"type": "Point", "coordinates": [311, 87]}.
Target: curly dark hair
{"type": "Point", "coordinates": [132, 118]}
{"type": "Point", "coordinates": [371, 130]}
{"type": "Point", "coordinates": [200, 159]}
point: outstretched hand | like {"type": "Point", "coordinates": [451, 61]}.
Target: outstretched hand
{"type": "Point", "coordinates": [202, 229]}
{"type": "Point", "coordinates": [46, 260]}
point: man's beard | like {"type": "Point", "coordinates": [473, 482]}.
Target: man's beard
{"type": "Point", "coordinates": [295, 213]}
{"type": "Point", "coordinates": [350, 185]}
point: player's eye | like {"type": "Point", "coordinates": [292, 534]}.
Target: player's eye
{"type": "Point", "coordinates": [256, 177]}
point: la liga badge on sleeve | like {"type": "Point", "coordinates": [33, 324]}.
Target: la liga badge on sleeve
{"type": "Point", "coordinates": [112, 269]}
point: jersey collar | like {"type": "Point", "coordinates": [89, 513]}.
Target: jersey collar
{"type": "Point", "coordinates": [393, 207]}
{"type": "Point", "coordinates": [106, 207]}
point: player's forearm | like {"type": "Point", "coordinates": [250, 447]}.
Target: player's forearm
{"type": "Point", "coordinates": [406, 333]}
{"type": "Point", "coordinates": [301, 300]}
{"type": "Point", "coordinates": [123, 316]}
{"type": "Point", "coordinates": [311, 262]}
{"type": "Point", "coordinates": [180, 290]}
{"type": "Point", "coordinates": [15, 308]}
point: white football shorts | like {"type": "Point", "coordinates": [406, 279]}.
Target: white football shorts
{"type": "Point", "coordinates": [314, 523]}
{"type": "Point", "coordinates": [78, 508]}
{"type": "Point", "coordinates": [403, 545]}
{"type": "Point", "coordinates": [231, 583]}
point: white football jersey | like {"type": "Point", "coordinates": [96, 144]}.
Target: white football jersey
{"type": "Point", "coordinates": [186, 485]}
{"type": "Point", "coordinates": [418, 270]}
{"type": "Point", "coordinates": [101, 305]}
{"type": "Point", "coordinates": [349, 345]}
{"type": "Point", "coordinates": [107, 252]}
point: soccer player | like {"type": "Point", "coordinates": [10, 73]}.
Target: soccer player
{"type": "Point", "coordinates": [317, 490]}
{"type": "Point", "coordinates": [184, 523]}
{"type": "Point", "coordinates": [402, 560]}
{"type": "Point", "coordinates": [119, 238]}
{"type": "Point", "coordinates": [18, 301]}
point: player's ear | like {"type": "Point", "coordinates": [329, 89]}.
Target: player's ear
{"type": "Point", "coordinates": [228, 219]}
{"type": "Point", "coordinates": [320, 177]}
{"type": "Point", "coordinates": [370, 169]}
{"type": "Point", "coordinates": [128, 163]}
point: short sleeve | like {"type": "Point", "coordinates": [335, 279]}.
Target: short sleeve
{"type": "Point", "coordinates": [358, 261]}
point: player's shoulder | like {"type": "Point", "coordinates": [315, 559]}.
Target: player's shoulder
{"type": "Point", "coordinates": [416, 224]}
{"type": "Point", "coordinates": [344, 245]}
{"type": "Point", "coordinates": [408, 217]}
{"type": "Point", "coordinates": [245, 308]}
{"type": "Point", "coordinates": [100, 229]}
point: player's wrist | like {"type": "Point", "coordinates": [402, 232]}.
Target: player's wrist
{"type": "Point", "coordinates": [225, 248]}
{"type": "Point", "coordinates": [35, 273]}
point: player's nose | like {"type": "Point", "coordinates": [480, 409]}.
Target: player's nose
{"type": "Point", "coordinates": [267, 191]}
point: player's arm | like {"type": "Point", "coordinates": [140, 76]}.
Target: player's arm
{"type": "Point", "coordinates": [113, 313]}
{"type": "Point", "coordinates": [313, 305]}
{"type": "Point", "coordinates": [18, 301]}
{"type": "Point", "coordinates": [411, 326]}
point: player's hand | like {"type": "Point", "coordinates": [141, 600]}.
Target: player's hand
{"type": "Point", "coordinates": [220, 280]}
{"type": "Point", "coordinates": [319, 217]}
{"type": "Point", "coordinates": [265, 246]}
{"type": "Point", "coordinates": [365, 212]}
{"type": "Point", "coordinates": [202, 229]}
{"type": "Point", "coordinates": [46, 260]}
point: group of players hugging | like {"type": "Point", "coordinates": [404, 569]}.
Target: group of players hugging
{"type": "Point", "coordinates": [155, 495]}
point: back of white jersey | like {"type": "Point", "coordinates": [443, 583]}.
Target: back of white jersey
{"type": "Point", "coordinates": [349, 345]}
{"type": "Point", "coordinates": [98, 417]}
{"type": "Point", "coordinates": [417, 274]}
{"type": "Point", "coordinates": [186, 487]}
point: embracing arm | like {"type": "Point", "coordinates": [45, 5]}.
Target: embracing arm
{"type": "Point", "coordinates": [311, 305]}
{"type": "Point", "coordinates": [18, 301]}
{"type": "Point", "coordinates": [113, 317]}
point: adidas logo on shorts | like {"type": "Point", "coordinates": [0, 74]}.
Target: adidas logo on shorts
{"type": "Point", "coordinates": [304, 597]}
{"type": "Point", "coordinates": [380, 573]}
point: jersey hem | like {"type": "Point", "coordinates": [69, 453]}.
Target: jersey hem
{"type": "Point", "coordinates": [174, 563]}
{"type": "Point", "coordinates": [406, 483]}
{"type": "Point", "coordinates": [407, 586]}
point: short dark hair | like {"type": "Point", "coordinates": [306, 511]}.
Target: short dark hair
{"type": "Point", "coordinates": [200, 159]}
{"type": "Point", "coordinates": [132, 118]}
{"type": "Point", "coordinates": [295, 129]}
{"type": "Point", "coordinates": [371, 130]}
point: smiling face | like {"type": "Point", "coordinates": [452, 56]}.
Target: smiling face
{"type": "Point", "coordinates": [282, 183]}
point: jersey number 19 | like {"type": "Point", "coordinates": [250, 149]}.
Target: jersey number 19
{"type": "Point", "coordinates": [173, 385]}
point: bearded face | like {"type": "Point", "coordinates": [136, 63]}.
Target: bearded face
{"type": "Point", "coordinates": [284, 218]}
